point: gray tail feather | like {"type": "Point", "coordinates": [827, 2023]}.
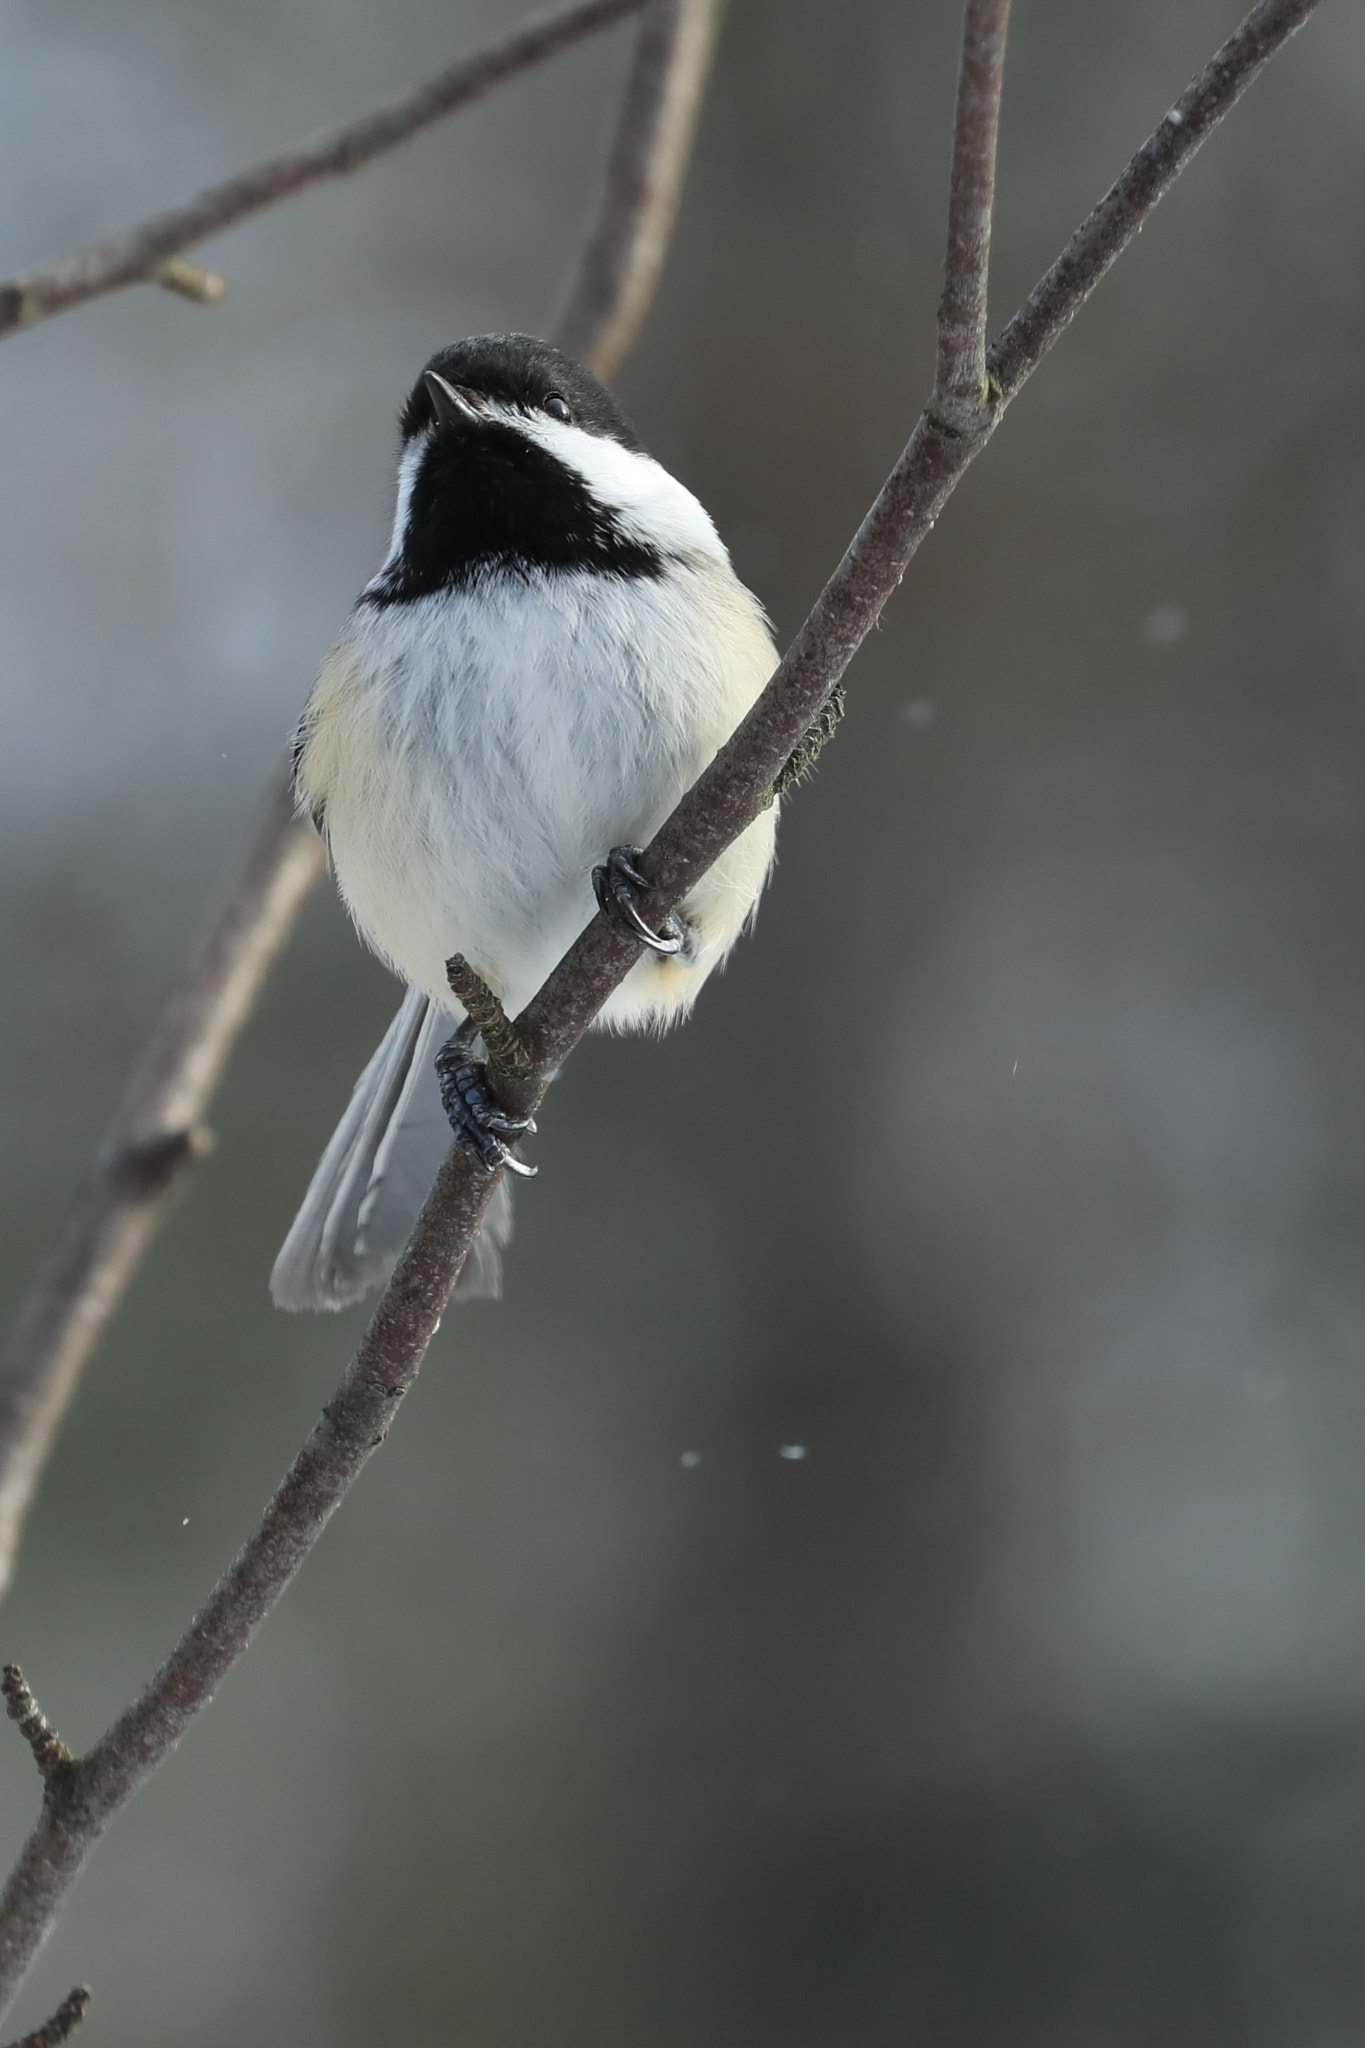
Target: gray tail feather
{"type": "Point", "coordinates": [375, 1175]}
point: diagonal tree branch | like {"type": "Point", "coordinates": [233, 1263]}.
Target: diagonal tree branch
{"type": "Point", "coordinates": [154, 1137]}
{"type": "Point", "coordinates": [78, 1805]}
{"type": "Point", "coordinates": [614, 283]}
{"type": "Point", "coordinates": [140, 253]}
{"type": "Point", "coordinates": [646, 167]}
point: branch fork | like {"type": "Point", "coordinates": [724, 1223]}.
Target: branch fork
{"type": "Point", "coordinates": [954, 416]}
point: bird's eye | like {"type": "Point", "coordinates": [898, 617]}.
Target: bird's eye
{"type": "Point", "coordinates": [557, 407]}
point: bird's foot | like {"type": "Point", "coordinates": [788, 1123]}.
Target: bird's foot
{"type": "Point", "coordinates": [481, 1127]}
{"type": "Point", "coordinates": [618, 886]}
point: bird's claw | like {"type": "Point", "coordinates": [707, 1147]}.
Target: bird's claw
{"type": "Point", "coordinates": [480, 1125]}
{"type": "Point", "coordinates": [617, 885]}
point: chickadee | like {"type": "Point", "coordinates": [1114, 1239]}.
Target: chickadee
{"type": "Point", "coordinates": [553, 650]}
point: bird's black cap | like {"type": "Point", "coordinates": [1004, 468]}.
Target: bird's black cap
{"type": "Point", "coordinates": [518, 370]}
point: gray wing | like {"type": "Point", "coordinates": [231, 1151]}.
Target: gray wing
{"type": "Point", "coordinates": [375, 1175]}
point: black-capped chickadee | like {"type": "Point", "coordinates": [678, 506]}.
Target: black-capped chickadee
{"type": "Point", "coordinates": [554, 649]}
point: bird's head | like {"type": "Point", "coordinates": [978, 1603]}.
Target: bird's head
{"type": "Point", "coordinates": [517, 461]}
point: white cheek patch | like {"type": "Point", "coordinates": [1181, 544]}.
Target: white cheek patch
{"type": "Point", "coordinates": [647, 503]}
{"type": "Point", "coordinates": [407, 476]}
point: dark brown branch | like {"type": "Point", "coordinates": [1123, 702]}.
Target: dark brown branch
{"type": "Point", "coordinates": [351, 1427]}
{"type": "Point", "coordinates": [140, 253]}
{"type": "Point", "coordinates": [64, 2020]}
{"type": "Point", "coordinates": [723, 801]}
{"type": "Point", "coordinates": [960, 382]}
{"type": "Point", "coordinates": [615, 280]}
{"type": "Point", "coordinates": [50, 1753]}
{"type": "Point", "coordinates": [155, 1136]}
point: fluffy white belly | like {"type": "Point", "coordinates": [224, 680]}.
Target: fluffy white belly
{"type": "Point", "coordinates": [475, 754]}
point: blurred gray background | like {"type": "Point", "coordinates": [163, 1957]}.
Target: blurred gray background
{"type": "Point", "coordinates": [1014, 1171]}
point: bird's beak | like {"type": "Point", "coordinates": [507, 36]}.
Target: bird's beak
{"type": "Point", "coordinates": [450, 406]}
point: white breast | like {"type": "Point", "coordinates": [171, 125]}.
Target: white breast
{"type": "Point", "coordinates": [475, 753]}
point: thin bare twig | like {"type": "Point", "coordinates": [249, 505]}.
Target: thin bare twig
{"type": "Point", "coordinates": [501, 1039]}
{"type": "Point", "coordinates": [63, 2022]}
{"type": "Point", "coordinates": [50, 1753]}
{"type": "Point", "coordinates": [139, 254]}
{"type": "Point", "coordinates": [155, 1135]}
{"type": "Point", "coordinates": [191, 281]}
{"type": "Point", "coordinates": [153, 1139]}
{"type": "Point", "coordinates": [960, 381]}
{"type": "Point", "coordinates": [642, 186]}
{"type": "Point", "coordinates": [725, 799]}
{"type": "Point", "coordinates": [1105, 233]}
